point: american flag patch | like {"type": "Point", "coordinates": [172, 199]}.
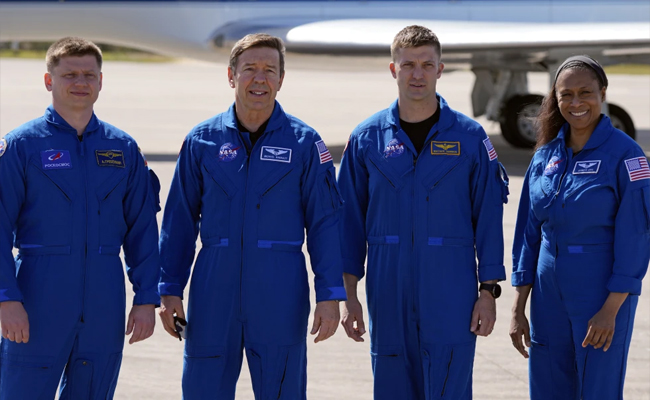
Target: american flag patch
{"type": "Point", "coordinates": [637, 168]}
{"type": "Point", "coordinates": [323, 152]}
{"type": "Point", "coordinates": [490, 149]}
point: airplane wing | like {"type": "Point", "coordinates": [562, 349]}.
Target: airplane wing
{"type": "Point", "coordinates": [474, 42]}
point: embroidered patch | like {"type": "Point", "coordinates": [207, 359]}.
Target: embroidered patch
{"type": "Point", "coordinates": [552, 166]}
{"type": "Point", "coordinates": [323, 152]}
{"type": "Point", "coordinates": [228, 152]}
{"type": "Point", "coordinates": [3, 146]}
{"type": "Point", "coordinates": [637, 168]}
{"type": "Point", "coordinates": [56, 159]}
{"type": "Point", "coordinates": [393, 149]}
{"type": "Point", "coordinates": [143, 157]}
{"type": "Point", "coordinates": [279, 154]}
{"type": "Point", "coordinates": [490, 149]}
{"type": "Point", "coordinates": [586, 167]}
{"type": "Point", "coordinates": [110, 158]}
{"type": "Point", "coordinates": [445, 148]}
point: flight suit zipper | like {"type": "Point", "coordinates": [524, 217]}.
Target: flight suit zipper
{"type": "Point", "coordinates": [82, 146]}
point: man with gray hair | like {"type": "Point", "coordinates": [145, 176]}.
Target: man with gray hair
{"type": "Point", "coordinates": [424, 192]}
{"type": "Point", "coordinates": [250, 181]}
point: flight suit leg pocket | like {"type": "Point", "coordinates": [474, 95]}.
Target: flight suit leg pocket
{"type": "Point", "coordinates": [256, 369]}
{"type": "Point", "coordinates": [80, 380]}
{"type": "Point", "coordinates": [24, 377]}
{"type": "Point", "coordinates": [203, 372]}
{"type": "Point", "coordinates": [448, 370]}
{"type": "Point", "coordinates": [390, 373]}
{"type": "Point", "coordinates": [290, 374]}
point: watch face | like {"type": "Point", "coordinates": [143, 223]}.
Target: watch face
{"type": "Point", "coordinates": [496, 291]}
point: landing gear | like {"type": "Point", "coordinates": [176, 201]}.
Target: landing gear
{"type": "Point", "coordinates": [518, 120]}
{"type": "Point", "coordinates": [622, 120]}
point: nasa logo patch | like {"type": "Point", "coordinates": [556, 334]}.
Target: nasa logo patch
{"type": "Point", "coordinates": [393, 149]}
{"type": "Point", "coordinates": [3, 146]}
{"type": "Point", "coordinates": [56, 159]}
{"type": "Point", "coordinates": [586, 167]}
{"type": "Point", "coordinates": [228, 152]}
{"type": "Point", "coordinates": [552, 166]}
{"type": "Point", "coordinates": [279, 154]}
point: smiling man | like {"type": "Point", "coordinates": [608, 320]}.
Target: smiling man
{"type": "Point", "coordinates": [424, 192]}
{"type": "Point", "coordinates": [73, 191]}
{"type": "Point", "coordinates": [250, 181]}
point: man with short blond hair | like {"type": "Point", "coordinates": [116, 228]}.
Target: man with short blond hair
{"type": "Point", "coordinates": [424, 192]}
{"type": "Point", "coordinates": [250, 181]}
{"type": "Point", "coordinates": [75, 190]}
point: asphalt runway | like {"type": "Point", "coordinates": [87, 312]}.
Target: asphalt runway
{"type": "Point", "coordinates": [159, 103]}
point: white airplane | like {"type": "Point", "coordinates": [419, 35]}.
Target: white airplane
{"type": "Point", "coordinates": [499, 40]}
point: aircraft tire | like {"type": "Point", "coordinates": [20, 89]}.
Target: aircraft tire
{"type": "Point", "coordinates": [622, 120]}
{"type": "Point", "coordinates": [518, 126]}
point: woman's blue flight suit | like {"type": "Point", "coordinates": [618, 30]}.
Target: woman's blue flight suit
{"type": "Point", "coordinates": [583, 231]}
{"type": "Point", "coordinates": [249, 286]}
{"type": "Point", "coordinates": [424, 219]}
{"type": "Point", "coordinates": [69, 206]}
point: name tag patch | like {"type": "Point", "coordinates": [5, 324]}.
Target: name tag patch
{"type": "Point", "coordinates": [110, 158]}
{"type": "Point", "coordinates": [278, 154]}
{"type": "Point", "coordinates": [586, 167]}
{"type": "Point", "coordinates": [56, 159]}
{"type": "Point", "coordinates": [445, 148]}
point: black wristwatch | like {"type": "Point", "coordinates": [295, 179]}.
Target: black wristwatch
{"type": "Point", "coordinates": [494, 289]}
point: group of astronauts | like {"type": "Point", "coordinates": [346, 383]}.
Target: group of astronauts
{"type": "Point", "coordinates": [417, 209]}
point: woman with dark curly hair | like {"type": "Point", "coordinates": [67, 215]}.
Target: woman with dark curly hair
{"type": "Point", "coordinates": [582, 242]}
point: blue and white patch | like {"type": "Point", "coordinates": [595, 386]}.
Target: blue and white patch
{"type": "Point", "coordinates": [393, 149]}
{"type": "Point", "coordinates": [56, 159]}
{"type": "Point", "coordinates": [279, 154]}
{"type": "Point", "coordinates": [3, 146]}
{"type": "Point", "coordinates": [228, 152]}
{"type": "Point", "coordinates": [586, 167]}
{"type": "Point", "coordinates": [553, 165]}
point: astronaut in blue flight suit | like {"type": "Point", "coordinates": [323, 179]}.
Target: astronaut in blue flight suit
{"type": "Point", "coordinates": [73, 191]}
{"type": "Point", "coordinates": [250, 181]}
{"type": "Point", "coordinates": [582, 243]}
{"type": "Point", "coordinates": [424, 190]}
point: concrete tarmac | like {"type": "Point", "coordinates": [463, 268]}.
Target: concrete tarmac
{"type": "Point", "coordinates": [159, 103]}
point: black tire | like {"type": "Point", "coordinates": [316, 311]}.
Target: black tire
{"type": "Point", "coordinates": [622, 120]}
{"type": "Point", "coordinates": [518, 120]}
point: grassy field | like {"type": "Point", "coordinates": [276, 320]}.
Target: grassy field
{"type": "Point", "coordinates": [623, 69]}
{"type": "Point", "coordinates": [108, 55]}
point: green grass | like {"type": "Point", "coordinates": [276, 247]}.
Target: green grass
{"type": "Point", "coordinates": [629, 69]}
{"type": "Point", "coordinates": [108, 56]}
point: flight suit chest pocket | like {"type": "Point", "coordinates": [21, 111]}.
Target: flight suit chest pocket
{"type": "Point", "coordinates": [441, 170]}
{"type": "Point", "coordinates": [381, 173]}
{"type": "Point", "coordinates": [110, 196]}
{"type": "Point", "coordinates": [217, 182]}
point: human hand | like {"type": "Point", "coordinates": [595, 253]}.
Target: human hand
{"type": "Point", "coordinates": [352, 319]}
{"type": "Point", "coordinates": [600, 331]}
{"type": "Point", "coordinates": [519, 327]}
{"type": "Point", "coordinates": [170, 305]}
{"type": "Point", "coordinates": [141, 322]}
{"type": "Point", "coordinates": [326, 320]}
{"type": "Point", "coordinates": [14, 322]}
{"type": "Point", "coordinates": [484, 315]}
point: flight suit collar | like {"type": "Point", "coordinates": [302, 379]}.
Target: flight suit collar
{"type": "Point", "coordinates": [53, 117]}
{"type": "Point", "coordinates": [445, 121]}
{"type": "Point", "coordinates": [277, 120]}
{"type": "Point", "coordinates": [600, 134]}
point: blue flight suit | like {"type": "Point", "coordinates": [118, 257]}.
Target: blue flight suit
{"type": "Point", "coordinates": [69, 206]}
{"type": "Point", "coordinates": [424, 218]}
{"type": "Point", "coordinates": [249, 286]}
{"type": "Point", "coordinates": [583, 231]}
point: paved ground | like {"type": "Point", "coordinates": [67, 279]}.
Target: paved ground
{"type": "Point", "coordinates": [159, 103]}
